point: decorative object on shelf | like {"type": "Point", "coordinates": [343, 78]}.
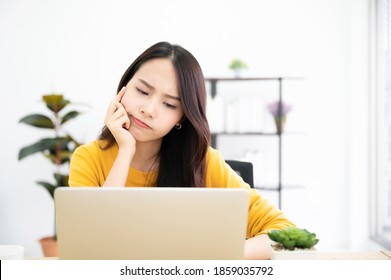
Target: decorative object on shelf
{"type": "Point", "coordinates": [237, 66]}
{"type": "Point", "coordinates": [58, 149]}
{"type": "Point", "coordinates": [292, 243]}
{"type": "Point", "coordinates": [221, 131]}
{"type": "Point", "coordinates": [279, 109]}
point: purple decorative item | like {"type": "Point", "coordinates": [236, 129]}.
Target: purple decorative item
{"type": "Point", "coordinates": [279, 110]}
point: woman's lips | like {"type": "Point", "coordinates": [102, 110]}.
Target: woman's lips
{"type": "Point", "coordinates": [140, 123]}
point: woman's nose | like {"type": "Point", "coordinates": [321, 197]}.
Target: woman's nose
{"type": "Point", "coordinates": [149, 108]}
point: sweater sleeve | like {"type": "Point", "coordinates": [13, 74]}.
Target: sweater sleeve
{"type": "Point", "coordinates": [262, 215]}
{"type": "Point", "coordinates": [83, 169]}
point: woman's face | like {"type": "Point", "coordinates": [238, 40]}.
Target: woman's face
{"type": "Point", "coordinates": [152, 100]}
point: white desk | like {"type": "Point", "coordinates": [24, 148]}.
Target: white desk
{"type": "Point", "coordinates": [372, 255]}
{"type": "Point", "coordinates": [375, 255]}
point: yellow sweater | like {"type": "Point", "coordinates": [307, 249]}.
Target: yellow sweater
{"type": "Point", "coordinates": [90, 166]}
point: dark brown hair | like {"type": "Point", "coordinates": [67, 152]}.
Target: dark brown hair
{"type": "Point", "coordinates": [182, 154]}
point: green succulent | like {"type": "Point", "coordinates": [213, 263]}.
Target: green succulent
{"type": "Point", "coordinates": [292, 237]}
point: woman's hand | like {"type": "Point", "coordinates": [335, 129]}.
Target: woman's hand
{"type": "Point", "coordinates": [118, 122]}
{"type": "Point", "coordinates": [256, 248]}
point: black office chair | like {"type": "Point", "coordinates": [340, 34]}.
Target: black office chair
{"type": "Point", "coordinates": [244, 169]}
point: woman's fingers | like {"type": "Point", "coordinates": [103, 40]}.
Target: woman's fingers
{"type": "Point", "coordinates": [117, 114]}
{"type": "Point", "coordinates": [118, 122]}
{"type": "Point", "coordinates": [126, 123]}
{"type": "Point", "coordinates": [120, 94]}
{"type": "Point", "coordinates": [116, 105]}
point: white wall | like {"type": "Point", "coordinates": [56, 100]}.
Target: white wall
{"type": "Point", "coordinates": [81, 48]}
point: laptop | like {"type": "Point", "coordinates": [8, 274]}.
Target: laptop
{"type": "Point", "coordinates": [151, 223]}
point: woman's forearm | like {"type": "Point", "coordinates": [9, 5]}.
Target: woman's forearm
{"type": "Point", "coordinates": [120, 169]}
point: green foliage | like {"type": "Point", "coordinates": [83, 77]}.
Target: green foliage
{"type": "Point", "coordinates": [59, 148]}
{"type": "Point", "coordinates": [292, 237]}
{"type": "Point", "coordinates": [237, 64]}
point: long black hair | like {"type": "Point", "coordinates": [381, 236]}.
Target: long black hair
{"type": "Point", "coordinates": [182, 153]}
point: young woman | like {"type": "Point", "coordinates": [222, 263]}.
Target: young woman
{"type": "Point", "coordinates": [156, 135]}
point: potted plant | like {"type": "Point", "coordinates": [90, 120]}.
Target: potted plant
{"type": "Point", "coordinates": [279, 110]}
{"type": "Point", "coordinates": [237, 66]}
{"type": "Point", "coordinates": [292, 243]}
{"type": "Point", "coordinates": [58, 148]}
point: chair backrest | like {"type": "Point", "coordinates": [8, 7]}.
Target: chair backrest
{"type": "Point", "coordinates": [244, 169]}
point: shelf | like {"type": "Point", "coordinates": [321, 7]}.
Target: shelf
{"type": "Point", "coordinates": [246, 133]}
{"type": "Point", "coordinates": [216, 79]}
{"type": "Point", "coordinates": [237, 133]}
{"type": "Point", "coordinates": [285, 187]}
{"type": "Point", "coordinates": [213, 81]}
{"type": "Point", "coordinates": [214, 135]}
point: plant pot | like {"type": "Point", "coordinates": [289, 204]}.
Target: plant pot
{"type": "Point", "coordinates": [280, 124]}
{"type": "Point", "coordinates": [49, 246]}
{"type": "Point", "coordinates": [296, 254]}
{"type": "Point", "coordinates": [238, 73]}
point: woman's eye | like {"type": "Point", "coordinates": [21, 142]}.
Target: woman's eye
{"type": "Point", "coordinates": [141, 91]}
{"type": "Point", "coordinates": [168, 105]}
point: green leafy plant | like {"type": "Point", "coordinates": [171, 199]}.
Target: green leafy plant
{"type": "Point", "coordinates": [237, 64]}
{"type": "Point", "coordinates": [59, 147]}
{"type": "Point", "coordinates": [291, 238]}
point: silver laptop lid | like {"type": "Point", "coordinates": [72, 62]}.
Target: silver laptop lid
{"type": "Point", "coordinates": [151, 223]}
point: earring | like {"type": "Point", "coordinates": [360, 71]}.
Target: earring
{"type": "Point", "coordinates": [178, 126]}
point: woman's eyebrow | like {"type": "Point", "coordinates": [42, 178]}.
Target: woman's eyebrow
{"type": "Point", "coordinates": [151, 87]}
{"type": "Point", "coordinates": [146, 84]}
